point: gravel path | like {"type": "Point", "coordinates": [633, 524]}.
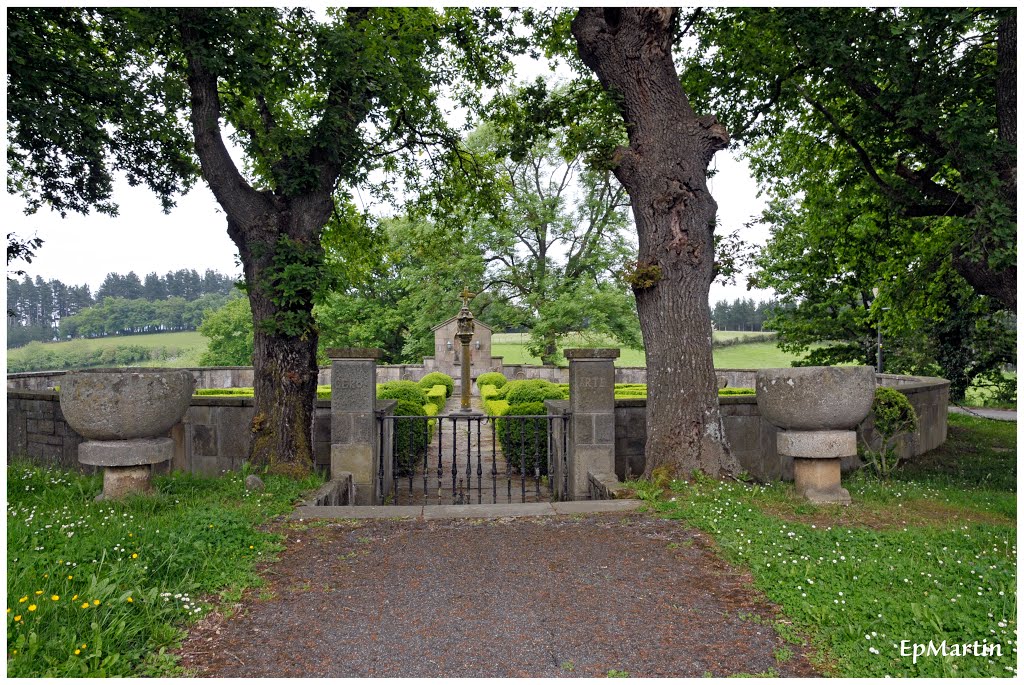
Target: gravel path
{"type": "Point", "coordinates": [533, 597]}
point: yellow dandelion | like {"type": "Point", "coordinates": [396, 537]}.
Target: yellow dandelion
{"type": "Point", "coordinates": [31, 607]}
{"type": "Point", "coordinates": [129, 600]}
{"type": "Point", "coordinates": [46, 575]}
{"type": "Point", "coordinates": [54, 597]}
{"type": "Point", "coordinates": [14, 652]}
{"type": "Point", "coordinates": [74, 598]}
{"type": "Point", "coordinates": [129, 534]}
{"type": "Point", "coordinates": [8, 609]}
{"type": "Point", "coordinates": [77, 652]}
{"type": "Point", "coordinates": [39, 592]}
{"type": "Point", "coordinates": [96, 602]}
{"type": "Point", "coordinates": [250, 546]}
{"type": "Point", "coordinates": [83, 645]}
{"type": "Point", "coordinates": [23, 599]}
{"type": "Point", "coordinates": [17, 618]}
{"type": "Point", "coordinates": [134, 555]}
{"type": "Point", "coordinates": [85, 605]}
{"type": "Point", "coordinates": [70, 577]}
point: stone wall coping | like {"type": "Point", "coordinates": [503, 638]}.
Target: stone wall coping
{"type": "Point", "coordinates": [631, 402]}
{"type": "Point", "coordinates": [591, 353]}
{"type": "Point", "coordinates": [382, 407]}
{"type": "Point", "coordinates": [33, 395]}
{"type": "Point", "coordinates": [355, 353]}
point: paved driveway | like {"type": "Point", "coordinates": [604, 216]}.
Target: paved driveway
{"type": "Point", "coordinates": [561, 595]}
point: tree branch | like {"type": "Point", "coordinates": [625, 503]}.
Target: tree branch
{"type": "Point", "coordinates": [241, 202]}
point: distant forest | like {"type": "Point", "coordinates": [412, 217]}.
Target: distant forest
{"type": "Point", "coordinates": [123, 305]}
{"type": "Point", "coordinates": [743, 314]}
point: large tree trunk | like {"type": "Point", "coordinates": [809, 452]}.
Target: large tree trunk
{"type": "Point", "coordinates": [285, 335]}
{"type": "Point", "coordinates": [664, 171]}
{"type": "Point", "coordinates": [275, 234]}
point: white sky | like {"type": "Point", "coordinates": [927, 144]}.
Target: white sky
{"type": "Point", "coordinates": [83, 249]}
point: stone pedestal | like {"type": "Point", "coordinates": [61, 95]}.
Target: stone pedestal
{"type": "Point", "coordinates": [354, 447]}
{"type": "Point", "coordinates": [125, 416]}
{"type": "Point", "coordinates": [592, 424]}
{"type": "Point", "coordinates": [817, 458]}
{"type": "Point", "coordinates": [127, 464]}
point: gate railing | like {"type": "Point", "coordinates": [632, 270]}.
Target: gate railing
{"type": "Point", "coordinates": [471, 459]}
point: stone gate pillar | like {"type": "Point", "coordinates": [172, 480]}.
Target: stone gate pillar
{"type": "Point", "coordinates": [354, 446]}
{"type": "Point", "coordinates": [591, 452]}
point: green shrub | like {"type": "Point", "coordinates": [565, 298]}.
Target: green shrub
{"type": "Point", "coordinates": [532, 391]}
{"type": "Point", "coordinates": [410, 437]}
{"type": "Point", "coordinates": [437, 378]}
{"type": "Point", "coordinates": [402, 390]}
{"type": "Point", "coordinates": [487, 392]}
{"type": "Point", "coordinates": [494, 378]}
{"type": "Point", "coordinates": [894, 416]}
{"type": "Point", "coordinates": [524, 441]}
{"type": "Point", "coordinates": [495, 407]}
{"type": "Point", "coordinates": [437, 395]}
{"type": "Point", "coordinates": [735, 391]}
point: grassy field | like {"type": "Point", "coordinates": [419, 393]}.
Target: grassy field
{"type": "Point", "coordinates": [184, 347]}
{"type": "Point", "coordinates": [100, 589]}
{"type": "Point", "coordinates": [512, 347]}
{"type": "Point", "coordinates": [928, 556]}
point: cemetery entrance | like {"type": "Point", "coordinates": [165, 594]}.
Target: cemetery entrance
{"type": "Point", "coordinates": [470, 458]}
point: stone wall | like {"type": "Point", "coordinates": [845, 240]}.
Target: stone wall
{"type": "Point", "coordinates": [214, 435]}
{"type": "Point", "coordinates": [241, 376]}
{"type": "Point", "coordinates": [36, 429]}
{"type": "Point", "coordinates": [752, 438]}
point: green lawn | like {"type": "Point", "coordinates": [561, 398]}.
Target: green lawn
{"type": "Point", "coordinates": [181, 349]}
{"type": "Point", "coordinates": [745, 356]}
{"type": "Point", "coordinates": [100, 589]}
{"type": "Point", "coordinates": [928, 556]}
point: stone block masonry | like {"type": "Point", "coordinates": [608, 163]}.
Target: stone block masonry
{"type": "Point", "coordinates": [214, 435]}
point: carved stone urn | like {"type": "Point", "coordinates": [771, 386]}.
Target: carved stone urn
{"type": "Point", "coordinates": [818, 409]}
{"type": "Point", "coordinates": [124, 415]}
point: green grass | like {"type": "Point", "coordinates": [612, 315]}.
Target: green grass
{"type": "Point", "coordinates": [512, 347]}
{"type": "Point", "coordinates": [929, 556]}
{"type": "Point", "coordinates": [745, 356]}
{"type": "Point", "coordinates": [185, 347]}
{"type": "Point", "coordinates": [105, 588]}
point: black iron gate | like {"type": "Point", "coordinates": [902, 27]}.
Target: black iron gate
{"type": "Point", "coordinates": [471, 459]}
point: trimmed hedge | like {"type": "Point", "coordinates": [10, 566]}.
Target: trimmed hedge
{"type": "Point", "coordinates": [410, 437]}
{"type": "Point", "coordinates": [437, 395]}
{"type": "Point", "coordinates": [402, 390]}
{"type": "Point", "coordinates": [536, 390]}
{"type": "Point", "coordinates": [494, 378]}
{"type": "Point", "coordinates": [524, 441]}
{"type": "Point", "coordinates": [495, 407]}
{"type": "Point", "coordinates": [438, 378]}
{"type": "Point", "coordinates": [487, 391]}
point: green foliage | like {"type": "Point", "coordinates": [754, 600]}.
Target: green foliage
{"type": "Point", "coordinates": [146, 568]}
{"type": "Point", "coordinates": [487, 392]}
{"type": "Point", "coordinates": [119, 316]}
{"type": "Point", "coordinates": [38, 356]}
{"type": "Point", "coordinates": [493, 407]}
{"type": "Point", "coordinates": [405, 391]}
{"type": "Point", "coordinates": [231, 335]}
{"type": "Point", "coordinates": [437, 395]}
{"type": "Point", "coordinates": [295, 278]}
{"type": "Point", "coordinates": [893, 176]}
{"type": "Point", "coordinates": [524, 442]}
{"type": "Point", "coordinates": [411, 437]}
{"type": "Point", "coordinates": [493, 378]}
{"type": "Point", "coordinates": [534, 390]}
{"type": "Point", "coordinates": [435, 378]}
{"type": "Point", "coordinates": [894, 416]}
